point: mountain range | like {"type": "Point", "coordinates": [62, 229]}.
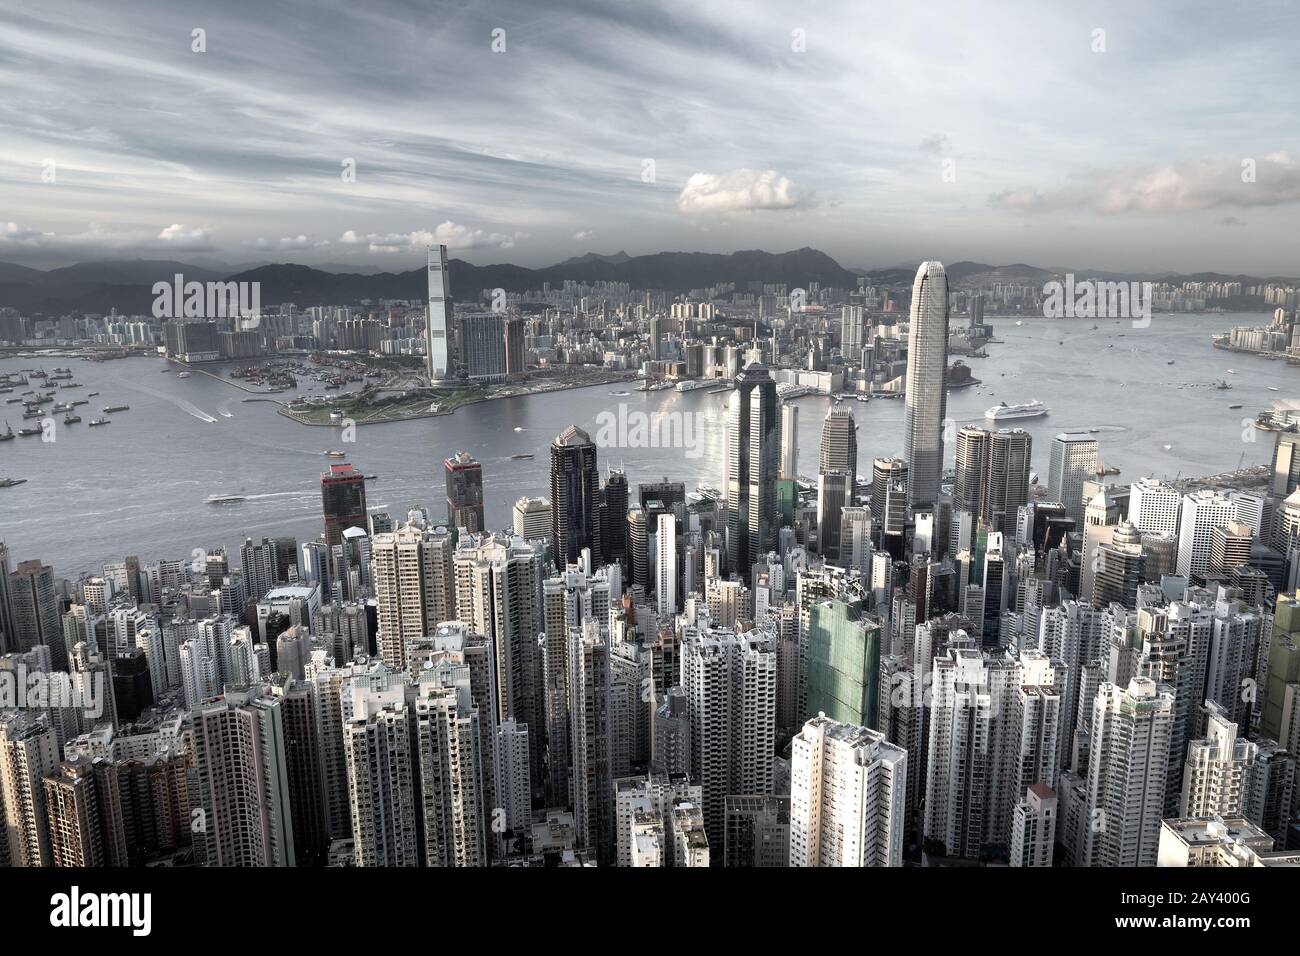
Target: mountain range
{"type": "Point", "coordinates": [100, 285]}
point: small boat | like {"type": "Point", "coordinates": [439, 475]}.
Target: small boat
{"type": "Point", "coordinates": [1170, 362]}
{"type": "Point", "coordinates": [182, 374]}
{"type": "Point", "coordinates": [224, 499]}
{"type": "Point", "coordinates": [28, 432]}
{"type": "Point", "coordinates": [91, 394]}
{"type": "Point", "coordinates": [520, 456]}
{"type": "Point", "coordinates": [10, 482]}
{"type": "Point", "coordinates": [8, 434]}
{"type": "Point", "coordinates": [71, 419]}
{"type": "Point", "coordinates": [334, 454]}
{"type": "Point", "coordinates": [1234, 406]}
{"type": "Point", "coordinates": [110, 409]}
{"type": "Point", "coordinates": [518, 428]}
{"type": "Point", "coordinates": [99, 421]}
{"type": "Point", "coordinates": [1274, 388]}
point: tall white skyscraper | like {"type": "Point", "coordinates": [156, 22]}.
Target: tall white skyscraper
{"type": "Point", "coordinates": [513, 775]}
{"type": "Point", "coordinates": [1073, 461]}
{"type": "Point", "coordinates": [28, 751]}
{"type": "Point", "coordinates": [750, 469]}
{"type": "Point", "coordinates": [927, 397]}
{"type": "Point", "coordinates": [411, 571]}
{"type": "Point", "coordinates": [1127, 771]}
{"type": "Point", "coordinates": [789, 467]}
{"type": "Point", "coordinates": [666, 567]}
{"type": "Point", "coordinates": [1203, 511]}
{"type": "Point", "coordinates": [1216, 775]}
{"type": "Point", "coordinates": [438, 357]}
{"type": "Point", "coordinates": [1153, 506]}
{"type": "Point", "coordinates": [848, 796]}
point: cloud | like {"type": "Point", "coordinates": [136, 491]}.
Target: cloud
{"type": "Point", "coordinates": [1231, 221]}
{"type": "Point", "coordinates": [938, 144]}
{"type": "Point", "coordinates": [1225, 181]}
{"type": "Point", "coordinates": [450, 234]}
{"type": "Point", "coordinates": [182, 239]}
{"type": "Point", "coordinates": [288, 243]}
{"type": "Point", "coordinates": [740, 190]}
{"type": "Point", "coordinates": [12, 232]}
{"type": "Point", "coordinates": [584, 235]}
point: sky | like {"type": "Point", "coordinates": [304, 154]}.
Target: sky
{"type": "Point", "coordinates": [1122, 136]}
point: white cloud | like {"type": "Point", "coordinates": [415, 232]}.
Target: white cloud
{"type": "Point", "coordinates": [288, 243]}
{"type": "Point", "coordinates": [452, 235]}
{"type": "Point", "coordinates": [736, 191]}
{"type": "Point", "coordinates": [12, 232]}
{"type": "Point", "coordinates": [584, 235]}
{"type": "Point", "coordinates": [183, 239]}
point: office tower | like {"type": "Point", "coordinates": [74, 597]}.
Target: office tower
{"type": "Point", "coordinates": [464, 493]}
{"type": "Point", "coordinates": [690, 843]}
{"type": "Point", "coordinates": [132, 685]}
{"type": "Point", "coordinates": [589, 744]}
{"type": "Point", "coordinates": [1286, 464]}
{"type": "Point", "coordinates": [927, 399]}
{"type": "Point", "coordinates": [34, 611]}
{"type": "Point", "coordinates": [343, 501]}
{"type": "Point", "coordinates": [1100, 519]}
{"type": "Point", "coordinates": [757, 830]}
{"type": "Point", "coordinates": [730, 684]}
{"type": "Point", "coordinates": [971, 458]}
{"type": "Point", "coordinates": [575, 489]}
{"type": "Point", "coordinates": [1006, 478]}
{"type": "Point", "coordinates": [499, 595]}
{"type": "Point", "coordinates": [438, 349]}
{"type": "Point", "coordinates": [1280, 718]}
{"type": "Point", "coordinates": [749, 475]}
{"type": "Point", "coordinates": [1230, 547]}
{"type": "Point", "coordinates": [889, 498]}
{"type": "Point", "coordinates": [482, 347]}
{"type": "Point", "coordinates": [847, 796]}
{"type": "Point", "coordinates": [1118, 568]}
{"type": "Point", "coordinates": [855, 538]}
{"type": "Point", "coordinates": [1127, 774]}
{"type": "Point", "coordinates": [414, 587]}
{"type": "Point", "coordinates": [513, 776]}
{"type": "Point", "coordinates": [839, 445]}
{"type": "Point", "coordinates": [304, 763]}
{"type": "Point", "coordinates": [1202, 512]}
{"type": "Point", "coordinates": [1153, 506]}
{"type": "Point", "coordinates": [1033, 828]}
{"type": "Point", "coordinates": [73, 813]}
{"type": "Point", "coordinates": [834, 493]}
{"type": "Point", "coordinates": [789, 464]}
{"type": "Point", "coordinates": [1074, 460]}
{"type": "Point", "coordinates": [8, 640]}
{"type": "Point", "coordinates": [843, 662]}
{"type": "Point", "coordinates": [382, 771]}
{"type": "Point", "coordinates": [28, 751]}
{"type": "Point", "coordinates": [242, 780]}
{"type": "Point", "coordinates": [638, 547]}
{"type": "Point", "coordinates": [293, 651]}
{"type": "Point", "coordinates": [516, 349]}
{"type": "Point", "coordinates": [1216, 775]}
{"type": "Point", "coordinates": [666, 566]}
{"type": "Point", "coordinates": [851, 334]}
{"type": "Point", "coordinates": [613, 523]}
{"type": "Point", "coordinates": [532, 518]}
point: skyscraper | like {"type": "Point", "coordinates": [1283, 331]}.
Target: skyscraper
{"type": "Point", "coordinates": [34, 606]}
{"type": "Point", "coordinates": [343, 501]}
{"type": "Point", "coordinates": [575, 485]}
{"type": "Point", "coordinates": [531, 518]}
{"type": "Point", "coordinates": [848, 796]}
{"type": "Point", "coordinates": [1202, 512]}
{"type": "Point", "coordinates": [1073, 461]}
{"type": "Point", "coordinates": [483, 347]}
{"type": "Point", "coordinates": [836, 478]}
{"type": "Point", "coordinates": [1006, 479]}
{"type": "Point", "coordinates": [666, 566]}
{"type": "Point", "coordinates": [927, 399]}
{"type": "Point", "coordinates": [516, 350]}
{"type": "Point", "coordinates": [749, 492]}
{"type": "Point", "coordinates": [789, 464]}
{"type": "Point", "coordinates": [464, 477]}
{"type": "Point", "coordinates": [438, 351]}
{"type": "Point", "coordinates": [414, 587]}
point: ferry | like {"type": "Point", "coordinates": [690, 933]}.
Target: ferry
{"type": "Point", "coordinates": [224, 499]}
{"type": "Point", "coordinates": [1004, 412]}
{"type": "Point", "coordinates": [521, 456]}
{"type": "Point", "coordinates": [693, 385]}
{"type": "Point", "coordinates": [110, 409]}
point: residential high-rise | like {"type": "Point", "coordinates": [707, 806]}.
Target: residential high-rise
{"type": "Point", "coordinates": [1033, 829]}
{"type": "Point", "coordinates": [730, 684]}
{"type": "Point", "coordinates": [464, 477]}
{"type": "Point", "coordinates": [848, 796]}
{"type": "Point", "coordinates": [438, 348]}
{"type": "Point", "coordinates": [842, 662]}
{"type": "Point", "coordinates": [482, 346]}
{"type": "Point", "coordinates": [927, 398]}
{"type": "Point", "coordinates": [414, 587]}
{"type": "Point", "coordinates": [516, 350]}
{"type": "Point", "coordinates": [243, 780]}
{"type": "Point", "coordinates": [382, 771]}
{"type": "Point", "coordinates": [1286, 464]}
{"type": "Point", "coordinates": [513, 775]}
{"type": "Point", "coordinates": [666, 566]}
{"type": "Point", "coordinates": [750, 469]}
{"type": "Point", "coordinates": [1074, 460]}
{"type": "Point", "coordinates": [575, 488]}
{"type": "Point", "coordinates": [73, 811]}
{"type": "Point", "coordinates": [1127, 770]}
{"type": "Point", "coordinates": [1216, 775]}
{"type": "Point", "coordinates": [757, 830]}
{"type": "Point", "coordinates": [343, 501]}
{"type": "Point", "coordinates": [34, 611]}
{"type": "Point", "coordinates": [589, 743]}
{"type": "Point", "coordinates": [28, 752]}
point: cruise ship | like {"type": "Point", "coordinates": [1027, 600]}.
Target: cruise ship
{"type": "Point", "coordinates": [1004, 412]}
